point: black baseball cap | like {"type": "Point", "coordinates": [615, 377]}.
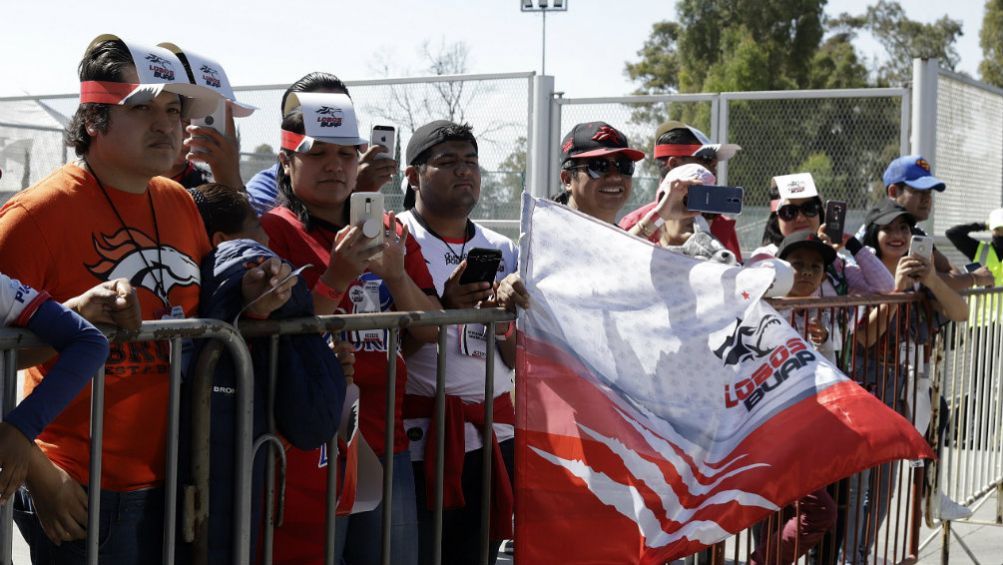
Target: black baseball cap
{"type": "Point", "coordinates": [424, 138]}
{"type": "Point", "coordinates": [885, 213]}
{"type": "Point", "coordinates": [806, 239]}
{"type": "Point", "coordinates": [594, 139]}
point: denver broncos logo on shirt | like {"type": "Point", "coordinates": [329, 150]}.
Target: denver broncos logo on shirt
{"type": "Point", "coordinates": [138, 259]}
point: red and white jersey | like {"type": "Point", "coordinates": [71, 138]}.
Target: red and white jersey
{"type": "Point", "coordinates": [465, 364]}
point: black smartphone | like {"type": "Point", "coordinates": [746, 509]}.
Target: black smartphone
{"type": "Point", "coordinates": [715, 199]}
{"type": "Point", "coordinates": [482, 265]}
{"type": "Point", "coordinates": [835, 220]}
{"type": "Point", "coordinates": [972, 267]}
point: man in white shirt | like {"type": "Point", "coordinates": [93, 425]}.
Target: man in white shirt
{"type": "Point", "coordinates": [444, 184]}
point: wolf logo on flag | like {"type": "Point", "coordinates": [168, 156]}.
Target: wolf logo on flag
{"type": "Point", "coordinates": [627, 450]}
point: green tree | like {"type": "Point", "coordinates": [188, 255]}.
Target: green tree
{"type": "Point", "coordinates": [904, 39]}
{"type": "Point", "coordinates": [991, 41]}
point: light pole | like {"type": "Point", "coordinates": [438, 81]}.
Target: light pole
{"type": "Point", "coordinates": [544, 6]}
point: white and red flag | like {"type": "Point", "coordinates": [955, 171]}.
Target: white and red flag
{"type": "Point", "coordinates": [661, 406]}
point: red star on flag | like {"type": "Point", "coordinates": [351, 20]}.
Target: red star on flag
{"type": "Point", "coordinates": [745, 294]}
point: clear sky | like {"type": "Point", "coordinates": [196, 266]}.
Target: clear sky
{"type": "Point", "coordinates": [262, 43]}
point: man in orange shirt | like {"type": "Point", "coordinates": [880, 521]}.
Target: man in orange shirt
{"type": "Point", "coordinates": [109, 221]}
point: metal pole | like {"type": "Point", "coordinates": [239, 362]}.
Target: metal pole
{"type": "Point", "coordinates": [543, 45]}
{"type": "Point", "coordinates": [388, 443]}
{"type": "Point", "coordinates": [722, 137]}
{"type": "Point", "coordinates": [271, 521]}
{"type": "Point", "coordinates": [538, 158]}
{"type": "Point", "coordinates": [9, 401]}
{"type": "Point", "coordinates": [924, 109]}
{"type": "Point", "coordinates": [94, 482]}
{"type": "Point", "coordinates": [486, 444]}
{"type": "Point", "coordinates": [173, 437]}
{"type": "Point", "coordinates": [440, 443]}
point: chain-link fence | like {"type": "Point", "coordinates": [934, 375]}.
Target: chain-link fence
{"type": "Point", "coordinates": [969, 150]}
{"type": "Point", "coordinates": [844, 138]}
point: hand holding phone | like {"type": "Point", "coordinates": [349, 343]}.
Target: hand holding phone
{"type": "Point", "coordinates": [835, 220]}
{"type": "Point", "coordinates": [715, 199]}
{"type": "Point", "coordinates": [215, 120]}
{"type": "Point", "coordinates": [366, 212]}
{"type": "Point", "coordinates": [921, 246]}
{"type": "Point", "coordinates": [385, 136]}
{"type": "Point", "coordinates": [482, 265]}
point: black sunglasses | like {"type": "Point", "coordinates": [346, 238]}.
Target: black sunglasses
{"type": "Point", "coordinates": [597, 166]}
{"type": "Point", "coordinates": [809, 209]}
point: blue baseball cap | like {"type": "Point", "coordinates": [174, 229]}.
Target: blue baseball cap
{"type": "Point", "coordinates": [913, 171]}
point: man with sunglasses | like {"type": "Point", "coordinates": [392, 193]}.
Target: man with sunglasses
{"type": "Point", "coordinates": [678, 144]}
{"type": "Point", "coordinates": [597, 166]}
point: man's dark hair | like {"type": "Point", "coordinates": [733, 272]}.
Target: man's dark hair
{"type": "Point", "coordinates": [678, 136]}
{"type": "Point", "coordinates": [106, 61]}
{"type": "Point", "coordinates": [223, 209]}
{"type": "Point", "coordinates": [771, 232]}
{"type": "Point", "coordinates": [452, 132]}
{"type": "Point", "coordinates": [313, 82]}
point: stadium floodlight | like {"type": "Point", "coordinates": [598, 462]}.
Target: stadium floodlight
{"type": "Point", "coordinates": [544, 6]}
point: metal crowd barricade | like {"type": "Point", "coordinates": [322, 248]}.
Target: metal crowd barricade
{"type": "Point", "coordinates": [969, 377]}
{"type": "Point", "coordinates": [884, 364]}
{"type": "Point", "coordinates": [174, 331]}
{"type": "Point", "coordinates": [394, 322]}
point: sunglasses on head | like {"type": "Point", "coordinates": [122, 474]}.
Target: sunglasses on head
{"type": "Point", "coordinates": [597, 166]}
{"type": "Point", "coordinates": [809, 209]}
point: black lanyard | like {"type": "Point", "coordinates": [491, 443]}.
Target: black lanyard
{"type": "Point", "coordinates": [159, 289]}
{"type": "Point", "coordinates": [467, 235]}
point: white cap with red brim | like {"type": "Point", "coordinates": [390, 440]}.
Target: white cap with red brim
{"type": "Point", "coordinates": [327, 117]}
{"type": "Point", "coordinates": [210, 74]}
{"type": "Point", "coordinates": [158, 70]}
{"type": "Point", "coordinates": [799, 185]}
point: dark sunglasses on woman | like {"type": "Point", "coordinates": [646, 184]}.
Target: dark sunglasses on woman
{"type": "Point", "coordinates": [809, 209]}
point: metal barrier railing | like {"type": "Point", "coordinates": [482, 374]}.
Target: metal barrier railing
{"type": "Point", "coordinates": [175, 332]}
{"type": "Point", "coordinates": [959, 361]}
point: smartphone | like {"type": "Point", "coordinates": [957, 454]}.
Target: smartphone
{"type": "Point", "coordinates": [366, 211]}
{"type": "Point", "coordinates": [972, 267]}
{"type": "Point", "coordinates": [921, 246]}
{"type": "Point", "coordinates": [835, 220]}
{"type": "Point", "coordinates": [482, 265]}
{"type": "Point", "coordinates": [715, 199]}
{"type": "Point", "coordinates": [215, 120]}
{"type": "Point", "coordinates": [383, 135]}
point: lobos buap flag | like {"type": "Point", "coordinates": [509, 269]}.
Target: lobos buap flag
{"type": "Point", "coordinates": [662, 406]}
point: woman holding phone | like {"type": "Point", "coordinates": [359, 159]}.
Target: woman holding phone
{"type": "Point", "coordinates": [796, 205]}
{"type": "Point", "coordinates": [351, 274]}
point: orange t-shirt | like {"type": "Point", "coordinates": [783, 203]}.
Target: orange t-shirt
{"type": "Point", "coordinates": [62, 235]}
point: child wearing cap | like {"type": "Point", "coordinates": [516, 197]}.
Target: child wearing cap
{"type": "Point", "coordinates": [807, 521]}
{"type": "Point", "coordinates": [308, 397]}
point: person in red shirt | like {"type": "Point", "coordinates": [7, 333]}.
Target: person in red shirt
{"type": "Point", "coordinates": [317, 174]}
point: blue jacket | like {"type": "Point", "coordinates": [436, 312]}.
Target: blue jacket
{"type": "Point", "coordinates": [309, 394]}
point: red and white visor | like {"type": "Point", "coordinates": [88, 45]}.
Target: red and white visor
{"type": "Point", "coordinates": [327, 117]}
{"type": "Point", "coordinates": [158, 70]}
{"type": "Point", "coordinates": [210, 74]}
{"type": "Point", "coordinates": [723, 151]}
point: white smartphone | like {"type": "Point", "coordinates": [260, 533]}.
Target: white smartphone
{"type": "Point", "coordinates": [921, 246]}
{"type": "Point", "coordinates": [366, 211]}
{"type": "Point", "coordinates": [385, 136]}
{"type": "Point", "coordinates": [215, 120]}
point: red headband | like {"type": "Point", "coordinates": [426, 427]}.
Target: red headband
{"type": "Point", "coordinates": [104, 92]}
{"type": "Point", "coordinates": [291, 140]}
{"type": "Point", "coordinates": [675, 150]}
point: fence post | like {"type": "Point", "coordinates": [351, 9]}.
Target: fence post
{"type": "Point", "coordinates": [722, 135]}
{"type": "Point", "coordinates": [540, 145]}
{"type": "Point", "coordinates": [924, 108]}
